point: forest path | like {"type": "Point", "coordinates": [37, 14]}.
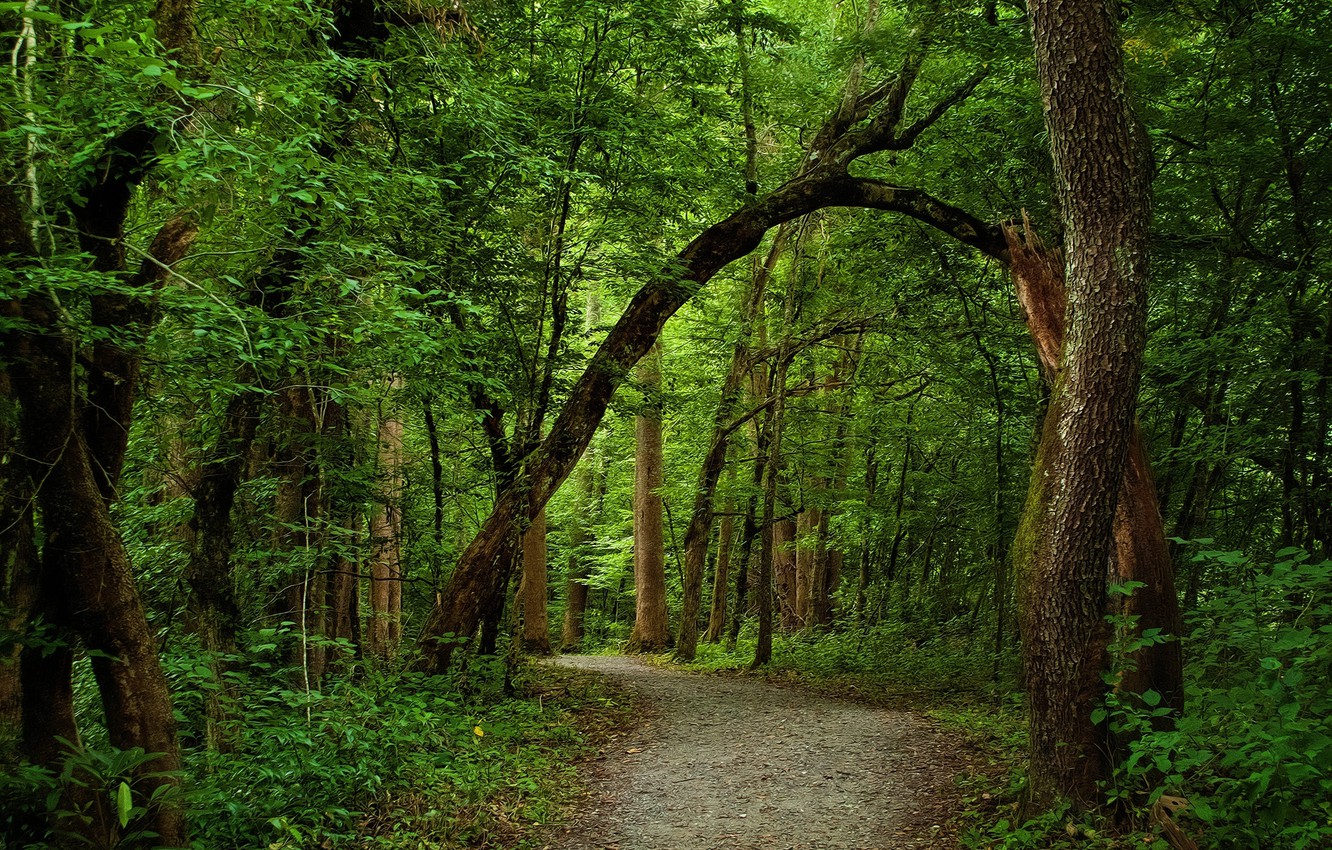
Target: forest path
{"type": "Point", "coordinates": [739, 764]}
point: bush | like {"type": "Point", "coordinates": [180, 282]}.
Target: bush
{"type": "Point", "coordinates": [1253, 752]}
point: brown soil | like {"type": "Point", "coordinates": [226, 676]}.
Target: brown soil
{"type": "Point", "coordinates": [722, 763]}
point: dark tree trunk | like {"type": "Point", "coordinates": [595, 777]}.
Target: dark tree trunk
{"type": "Point", "coordinates": [1065, 540]}
{"type": "Point", "coordinates": [18, 567]}
{"type": "Point", "coordinates": [212, 611]}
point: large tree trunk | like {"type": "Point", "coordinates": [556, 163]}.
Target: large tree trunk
{"type": "Point", "coordinates": [1065, 539]}
{"type": "Point", "coordinates": [1141, 553]}
{"type": "Point", "coordinates": [651, 630]}
{"type": "Point", "coordinates": [18, 567]}
{"type": "Point", "coordinates": [536, 622]}
{"type": "Point", "coordinates": [89, 574]}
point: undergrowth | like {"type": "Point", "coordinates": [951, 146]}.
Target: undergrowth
{"type": "Point", "coordinates": [378, 758]}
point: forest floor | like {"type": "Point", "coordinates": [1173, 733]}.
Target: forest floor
{"type": "Point", "coordinates": [735, 763]}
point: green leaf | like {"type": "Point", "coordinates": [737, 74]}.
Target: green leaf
{"type": "Point", "coordinates": [124, 803]}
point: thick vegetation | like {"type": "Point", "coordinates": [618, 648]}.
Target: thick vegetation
{"type": "Point", "coordinates": [352, 350]}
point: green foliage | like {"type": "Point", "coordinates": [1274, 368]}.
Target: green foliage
{"type": "Point", "coordinates": [1253, 750]}
{"type": "Point", "coordinates": [92, 794]}
{"type": "Point", "coordinates": [388, 758]}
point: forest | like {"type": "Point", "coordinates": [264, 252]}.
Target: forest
{"type": "Point", "coordinates": [970, 358]}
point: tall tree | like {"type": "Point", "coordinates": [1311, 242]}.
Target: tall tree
{"type": "Point", "coordinates": [652, 630]}
{"type": "Point", "coordinates": [1065, 540]}
{"type": "Point", "coordinates": [536, 622]}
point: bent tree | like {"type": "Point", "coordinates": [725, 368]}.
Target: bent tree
{"type": "Point", "coordinates": [873, 122]}
{"type": "Point", "coordinates": [1065, 538]}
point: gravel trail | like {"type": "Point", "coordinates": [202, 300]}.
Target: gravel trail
{"type": "Point", "coordinates": [738, 764]}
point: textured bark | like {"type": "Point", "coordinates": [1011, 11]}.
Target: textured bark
{"type": "Point", "coordinates": [1141, 553]}
{"type": "Point", "coordinates": [1065, 540]}
{"type": "Point", "coordinates": [651, 630]}
{"type": "Point", "coordinates": [784, 566]}
{"type": "Point", "coordinates": [536, 621]}
{"type": "Point", "coordinates": [806, 563]}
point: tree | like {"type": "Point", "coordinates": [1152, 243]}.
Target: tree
{"type": "Point", "coordinates": [651, 628]}
{"type": "Point", "coordinates": [1065, 541]}
{"type": "Point", "coordinates": [536, 624]}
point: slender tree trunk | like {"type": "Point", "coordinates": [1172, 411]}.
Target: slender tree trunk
{"type": "Point", "coordinates": [436, 470]}
{"type": "Point", "coordinates": [651, 630]}
{"type": "Point", "coordinates": [721, 575]}
{"type": "Point", "coordinates": [1065, 539]}
{"type": "Point", "coordinates": [866, 547]}
{"type": "Point", "coordinates": [575, 610]}
{"type": "Point", "coordinates": [212, 611]}
{"type": "Point", "coordinates": [784, 567]}
{"type": "Point", "coordinates": [773, 427]}
{"type": "Point", "coordinates": [299, 599]}
{"type": "Point", "coordinates": [386, 538]}
{"type": "Point", "coordinates": [700, 523]}
{"type": "Point", "coordinates": [589, 486]}
{"type": "Point", "coordinates": [536, 622]}
{"type": "Point", "coordinates": [743, 575]}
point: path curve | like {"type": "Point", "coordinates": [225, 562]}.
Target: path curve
{"type": "Point", "coordinates": [723, 763]}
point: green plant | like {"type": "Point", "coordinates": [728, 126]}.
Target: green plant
{"type": "Point", "coordinates": [1253, 749]}
{"type": "Point", "coordinates": [93, 800]}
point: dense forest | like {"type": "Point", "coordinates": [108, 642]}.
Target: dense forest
{"type": "Point", "coordinates": [354, 353]}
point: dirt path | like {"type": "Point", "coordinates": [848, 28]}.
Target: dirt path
{"type": "Point", "coordinates": [739, 764]}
